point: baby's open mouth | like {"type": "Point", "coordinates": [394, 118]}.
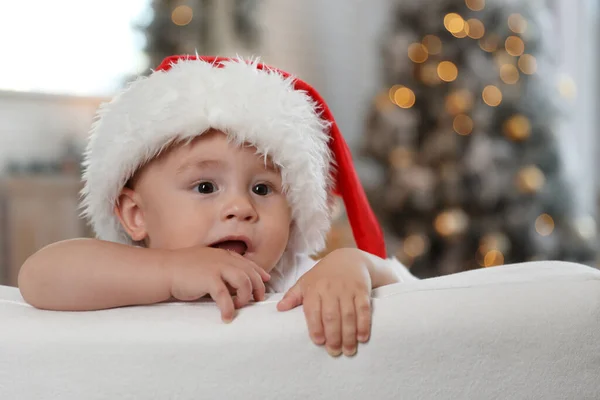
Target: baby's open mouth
{"type": "Point", "coordinates": [238, 246]}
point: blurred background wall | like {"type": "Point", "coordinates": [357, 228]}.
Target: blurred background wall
{"type": "Point", "coordinates": [62, 58]}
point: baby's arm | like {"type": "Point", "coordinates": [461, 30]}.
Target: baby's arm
{"type": "Point", "coordinates": [384, 271]}
{"type": "Point", "coordinates": [89, 274]}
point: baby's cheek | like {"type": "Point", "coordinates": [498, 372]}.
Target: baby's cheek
{"type": "Point", "coordinates": [181, 232]}
{"type": "Point", "coordinates": [279, 234]}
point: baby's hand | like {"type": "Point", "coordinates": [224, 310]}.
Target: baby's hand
{"type": "Point", "coordinates": [336, 297]}
{"type": "Point", "coordinates": [198, 271]}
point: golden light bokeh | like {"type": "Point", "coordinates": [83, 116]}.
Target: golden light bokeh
{"type": "Point", "coordinates": [447, 71]}
{"type": "Point", "coordinates": [464, 32]}
{"type": "Point", "coordinates": [517, 127]}
{"type": "Point", "coordinates": [392, 92]}
{"type": "Point", "coordinates": [462, 124]}
{"type": "Point", "coordinates": [527, 64]}
{"type": "Point", "coordinates": [415, 245]}
{"type": "Point", "coordinates": [451, 222]}
{"type": "Point", "coordinates": [404, 97]}
{"type": "Point", "coordinates": [489, 43]}
{"type": "Point", "coordinates": [517, 23]}
{"type": "Point", "coordinates": [530, 179]}
{"type": "Point", "coordinates": [454, 23]}
{"type": "Point", "coordinates": [417, 53]}
{"type": "Point", "coordinates": [182, 15]}
{"type": "Point", "coordinates": [475, 5]}
{"type": "Point", "coordinates": [509, 74]}
{"type": "Point", "coordinates": [567, 87]}
{"type": "Point", "coordinates": [492, 96]}
{"type": "Point", "coordinates": [493, 258]}
{"type": "Point", "coordinates": [459, 101]}
{"type": "Point", "coordinates": [429, 74]}
{"type": "Point", "coordinates": [476, 28]}
{"type": "Point", "coordinates": [494, 241]}
{"type": "Point", "coordinates": [514, 46]}
{"type": "Point", "coordinates": [400, 157]}
{"type": "Point", "coordinates": [544, 225]}
{"type": "Point", "coordinates": [433, 44]}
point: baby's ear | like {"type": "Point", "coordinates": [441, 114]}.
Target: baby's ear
{"type": "Point", "coordinates": [130, 214]}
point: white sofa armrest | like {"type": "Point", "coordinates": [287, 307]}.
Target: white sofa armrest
{"type": "Point", "coordinates": [513, 332]}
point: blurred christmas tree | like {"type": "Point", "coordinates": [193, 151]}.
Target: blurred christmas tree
{"type": "Point", "coordinates": [197, 26]}
{"type": "Point", "coordinates": [466, 131]}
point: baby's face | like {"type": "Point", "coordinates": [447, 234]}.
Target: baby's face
{"type": "Point", "coordinates": [213, 193]}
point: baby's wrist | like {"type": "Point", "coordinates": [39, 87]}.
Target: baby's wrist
{"type": "Point", "coordinates": [164, 266]}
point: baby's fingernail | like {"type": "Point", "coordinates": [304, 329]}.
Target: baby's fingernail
{"type": "Point", "coordinates": [363, 338]}
{"type": "Point", "coordinates": [227, 320]}
{"type": "Point", "coordinates": [349, 352]}
{"type": "Point", "coordinates": [334, 352]}
{"type": "Point", "coordinates": [319, 340]}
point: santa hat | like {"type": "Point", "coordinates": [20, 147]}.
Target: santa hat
{"type": "Point", "coordinates": [282, 116]}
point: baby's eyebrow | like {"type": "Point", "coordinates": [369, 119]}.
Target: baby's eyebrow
{"type": "Point", "coordinates": [198, 164]}
{"type": "Point", "coordinates": [269, 165]}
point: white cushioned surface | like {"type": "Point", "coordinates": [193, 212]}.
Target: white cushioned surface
{"type": "Point", "coordinates": [528, 331]}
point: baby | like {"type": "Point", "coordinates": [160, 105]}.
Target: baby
{"type": "Point", "coordinates": [215, 177]}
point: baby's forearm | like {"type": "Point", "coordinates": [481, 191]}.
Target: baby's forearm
{"type": "Point", "coordinates": [89, 274]}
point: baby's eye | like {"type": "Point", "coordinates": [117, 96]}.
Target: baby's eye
{"type": "Point", "coordinates": [206, 187]}
{"type": "Point", "coordinates": [261, 189]}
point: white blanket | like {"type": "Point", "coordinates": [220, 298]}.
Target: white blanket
{"type": "Point", "coordinates": [528, 331]}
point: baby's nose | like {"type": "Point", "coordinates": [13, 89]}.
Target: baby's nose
{"type": "Point", "coordinates": [241, 209]}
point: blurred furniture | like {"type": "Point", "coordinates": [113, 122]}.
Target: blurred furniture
{"type": "Point", "coordinates": [526, 331]}
{"type": "Point", "coordinates": [36, 210]}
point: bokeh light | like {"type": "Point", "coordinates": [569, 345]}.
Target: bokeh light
{"type": "Point", "coordinates": [447, 71]}
{"type": "Point", "coordinates": [182, 15]}
{"type": "Point", "coordinates": [462, 124]}
{"type": "Point", "coordinates": [492, 96]}
{"type": "Point", "coordinates": [544, 225]}
{"type": "Point", "coordinates": [417, 53]}
{"type": "Point", "coordinates": [527, 64]}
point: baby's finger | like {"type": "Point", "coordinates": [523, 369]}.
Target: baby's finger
{"type": "Point", "coordinates": [240, 282]}
{"type": "Point", "coordinates": [263, 274]}
{"type": "Point", "coordinates": [232, 290]}
{"type": "Point", "coordinates": [332, 324]}
{"type": "Point", "coordinates": [348, 310]}
{"type": "Point", "coordinates": [256, 274]}
{"type": "Point", "coordinates": [258, 286]}
{"type": "Point", "coordinates": [363, 317]}
{"type": "Point", "coordinates": [244, 263]}
{"type": "Point", "coordinates": [220, 294]}
{"type": "Point", "coordinates": [312, 313]}
{"type": "Point", "coordinates": [291, 299]}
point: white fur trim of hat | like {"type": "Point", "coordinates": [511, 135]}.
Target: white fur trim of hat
{"type": "Point", "coordinates": [259, 107]}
